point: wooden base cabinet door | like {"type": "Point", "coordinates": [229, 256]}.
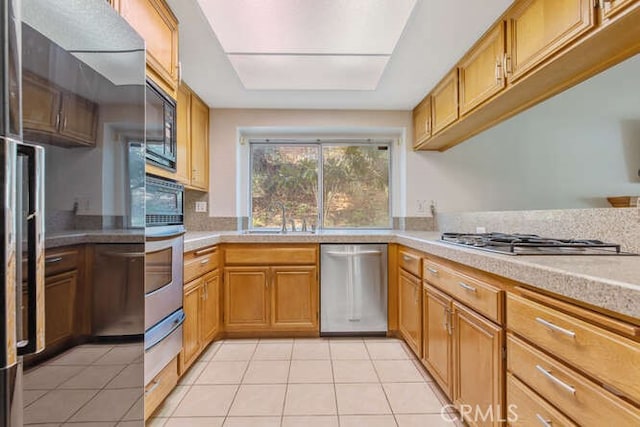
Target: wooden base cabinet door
{"type": "Point", "coordinates": [210, 307]}
{"type": "Point", "coordinates": [437, 352]}
{"type": "Point", "coordinates": [294, 298]}
{"type": "Point", "coordinates": [410, 311]}
{"type": "Point", "coordinates": [60, 296]}
{"type": "Point", "coordinates": [478, 368]}
{"type": "Point", "coordinates": [191, 343]}
{"type": "Point", "coordinates": [246, 303]}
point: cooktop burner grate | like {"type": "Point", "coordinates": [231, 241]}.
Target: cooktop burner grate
{"type": "Point", "coordinates": [531, 244]}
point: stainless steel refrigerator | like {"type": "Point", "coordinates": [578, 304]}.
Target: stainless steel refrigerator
{"type": "Point", "coordinates": [81, 51]}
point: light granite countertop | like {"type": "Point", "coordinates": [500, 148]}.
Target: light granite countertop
{"type": "Point", "coordinates": [77, 237]}
{"type": "Point", "coordinates": [609, 282]}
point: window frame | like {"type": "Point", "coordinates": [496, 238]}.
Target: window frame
{"type": "Point", "coordinates": [319, 144]}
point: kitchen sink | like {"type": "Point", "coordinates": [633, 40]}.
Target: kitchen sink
{"type": "Point", "coordinates": [276, 232]}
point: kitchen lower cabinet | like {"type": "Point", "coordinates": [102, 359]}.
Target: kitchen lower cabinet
{"type": "Point", "coordinates": [294, 298]}
{"type": "Point", "coordinates": [60, 308]}
{"type": "Point", "coordinates": [210, 307]}
{"type": "Point", "coordinates": [246, 298]}
{"type": "Point", "coordinates": [478, 367]}
{"type": "Point", "coordinates": [437, 340]}
{"type": "Point", "coordinates": [410, 310]}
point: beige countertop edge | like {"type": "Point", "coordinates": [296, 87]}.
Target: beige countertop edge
{"type": "Point", "coordinates": [56, 240]}
{"type": "Point", "coordinates": [609, 282]}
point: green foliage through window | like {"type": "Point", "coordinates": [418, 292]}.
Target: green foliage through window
{"type": "Point", "coordinates": [337, 185]}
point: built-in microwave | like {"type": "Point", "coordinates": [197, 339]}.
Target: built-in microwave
{"type": "Point", "coordinates": [160, 128]}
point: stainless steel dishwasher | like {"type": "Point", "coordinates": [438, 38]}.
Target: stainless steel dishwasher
{"type": "Point", "coordinates": [353, 289]}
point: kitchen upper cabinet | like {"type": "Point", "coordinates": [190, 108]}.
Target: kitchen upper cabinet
{"type": "Point", "coordinates": [610, 8]}
{"type": "Point", "coordinates": [199, 144]}
{"type": "Point", "coordinates": [246, 302]}
{"type": "Point", "coordinates": [294, 298]}
{"type": "Point", "coordinates": [444, 103]}
{"type": "Point", "coordinates": [422, 122]}
{"type": "Point", "coordinates": [538, 29]}
{"type": "Point", "coordinates": [479, 367]}
{"type": "Point", "coordinates": [51, 114]}
{"type": "Point", "coordinates": [481, 71]}
{"type": "Point", "coordinates": [158, 26]}
{"type": "Point", "coordinates": [183, 135]}
{"type": "Point", "coordinates": [192, 167]}
{"type": "Point", "coordinates": [410, 310]}
{"type": "Point", "coordinates": [437, 330]}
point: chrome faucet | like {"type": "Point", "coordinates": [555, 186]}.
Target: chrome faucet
{"type": "Point", "coordinates": [304, 225]}
{"type": "Point", "coordinates": [283, 229]}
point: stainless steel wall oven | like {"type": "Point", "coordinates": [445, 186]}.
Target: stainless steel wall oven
{"type": "Point", "coordinates": [164, 247]}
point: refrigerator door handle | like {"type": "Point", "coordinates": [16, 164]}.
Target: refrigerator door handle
{"type": "Point", "coordinates": [35, 339]}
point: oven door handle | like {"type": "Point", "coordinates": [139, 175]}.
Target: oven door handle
{"type": "Point", "coordinates": [176, 324]}
{"type": "Point", "coordinates": [160, 289]}
{"type": "Point", "coordinates": [167, 235]}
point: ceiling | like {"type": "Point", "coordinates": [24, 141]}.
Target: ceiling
{"type": "Point", "coordinates": [306, 64]}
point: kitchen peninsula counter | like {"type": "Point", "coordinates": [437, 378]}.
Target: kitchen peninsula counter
{"type": "Point", "coordinates": [608, 282]}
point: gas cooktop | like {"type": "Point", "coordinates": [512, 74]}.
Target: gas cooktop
{"type": "Point", "coordinates": [531, 244]}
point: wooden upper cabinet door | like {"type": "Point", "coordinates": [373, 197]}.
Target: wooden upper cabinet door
{"type": "Point", "coordinates": [537, 29]}
{"type": "Point", "coordinates": [478, 365]}
{"type": "Point", "coordinates": [40, 105]}
{"type": "Point", "coordinates": [183, 135]}
{"type": "Point", "coordinates": [294, 298]}
{"type": "Point", "coordinates": [210, 307]}
{"type": "Point", "coordinates": [246, 304]}
{"type": "Point", "coordinates": [199, 144]}
{"type": "Point", "coordinates": [422, 122]}
{"type": "Point", "coordinates": [410, 311]}
{"type": "Point", "coordinates": [612, 7]}
{"type": "Point", "coordinates": [157, 25]}
{"type": "Point", "coordinates": [437, 352]}
{"type": "Point", "coordinates": [444, 103]}
{"type": "Point", "coordinates": [482, 69]}
{"type": "Point", "coordinates": [191, 342]}
{"type": "Point", "coordinates": [60, 295]}
{"type": "Point", "coordinates": [79, 119]}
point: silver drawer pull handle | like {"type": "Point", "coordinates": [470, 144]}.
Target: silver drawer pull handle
{"type": "Point", "coordinates": [53, 260]}
{"type": "Point", "coordinates": [545, 423]}
{"type": "Point", "coordinates": [153, 387]}
{"type": "Point", "coordinates": [406, 257]}
{"type": "Point", "coordinates": [467, 287]}
{"type": "Point", "coordinates": [555, 327]}
{"type": "Point", "coordinates": [204, 261]}
{"type": "Point", "coordinates": [432, 270]}
{"type": "Point", "coordinates": [556, 380]}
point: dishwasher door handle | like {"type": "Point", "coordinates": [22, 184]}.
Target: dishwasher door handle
{"type": "Point", "coordinates": [353, 253]}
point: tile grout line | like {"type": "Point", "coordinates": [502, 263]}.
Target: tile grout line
{"type": "Point", "coordinates": [286, 389]}
{"type": "Point", "coordinates": [395, 420]}
{"type": "Point", "coordinates": [333, 378]}
{"type": "Point", "coordinates": [235, 395]}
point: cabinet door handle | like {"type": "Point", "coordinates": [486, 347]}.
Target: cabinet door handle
{"type": "Point", "coordinates": [445, 321]}
{"type": "Point", "coordinates": [205, 261]}
{"type": "Point", "coordinates": [64, 123]}
{"type": "Point", "coordinates": [543, 421]}
{"type": "Point", "coordinates": [58, 121]}
{"type": "Point", "coordinates": [467, 287]}
{"type": "Point", "coordinates": [556, 380]}
{"type": "Point", "coordinates": [406, 257]}
{"type": "Point", "coordinates": [506, 58]}
{"type": "Point", "coordinates": [432, 271]}
{"type": "Point", "coordinates": [556, 328]}
{"type": "Point", "coordinates": [499, 72]}
{"type": "Point", "coordinates": [53, 260]}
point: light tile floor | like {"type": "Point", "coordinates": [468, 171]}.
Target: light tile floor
{"type": "Point", "coordinates": [341, 382]}
{"type": "Point", "coordinates": [88, 385]}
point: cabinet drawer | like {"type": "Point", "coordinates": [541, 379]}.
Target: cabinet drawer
{"type": "Point", "coordinates": [271, 255]}
{"type": "Point", "coordinates": [480, 296]}
{"type": "Point", "coordinates": [159, 388]}
{"type": "Point", "coordinates": [584, 401]}
{"type": "Point", "coordinates": [60, 261]}
{"type": "Point", "coordinates": [200, 262]}
{"type": "Point", "coordinates": [526, 408]}
{"type": "Point", "coordinates": [409, 261]}
{"type": "Point", "coordinates": [613, 359]}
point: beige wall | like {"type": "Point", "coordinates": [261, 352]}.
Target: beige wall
{"type": "Point", "coordinates": [226, 125]}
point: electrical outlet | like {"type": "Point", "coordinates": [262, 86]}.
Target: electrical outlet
{"type": "Point", "coordinates": [201, 206]}
{"type": "Point", "coordinates": [421, 207]}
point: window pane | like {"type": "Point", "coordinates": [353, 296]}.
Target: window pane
{"type": "Point", "coordinates": [356, 186]}
{"type": "Point", "coordinates": [284, 174]}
